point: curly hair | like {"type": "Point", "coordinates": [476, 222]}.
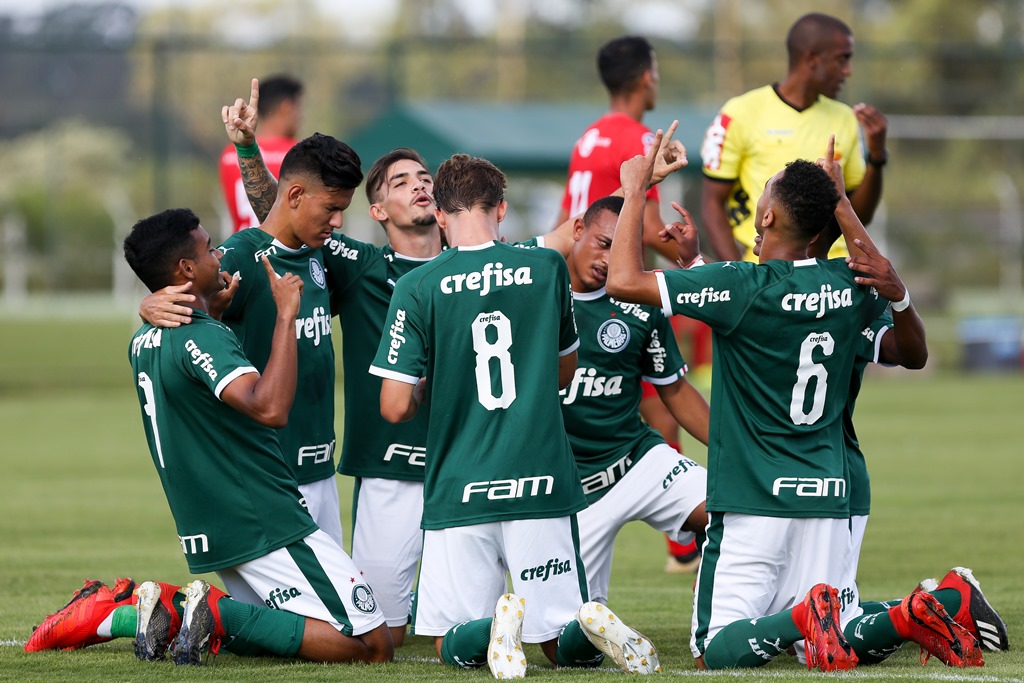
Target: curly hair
{"type": "Point", "coordinates": [807, 195]}
{"type": "Point", "coordinates": [156, 244]}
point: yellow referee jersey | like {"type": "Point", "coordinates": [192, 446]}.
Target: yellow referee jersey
{"type": "Point", "coordinates": [757, 133]}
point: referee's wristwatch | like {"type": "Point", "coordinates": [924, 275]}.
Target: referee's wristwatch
{"type": "Point", "coordinates": [878, 163]}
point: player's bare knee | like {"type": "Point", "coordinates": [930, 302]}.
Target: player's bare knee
{"type": "Point", "coordinates": [379, 645]}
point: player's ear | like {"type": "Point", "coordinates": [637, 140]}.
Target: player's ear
{"type": "Point", "coordinates": [378, 213]}
{"type": "Point", "coordinates": [578, 226]}
{"type": "Point", "coordinates": [187, 269]}
{"type": "Point", "coordinates": [502, 208]}
{"type": "Point", "coordinates": [294, 194]}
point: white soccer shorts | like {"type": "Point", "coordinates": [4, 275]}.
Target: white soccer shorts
{"type": "Point", "coordinates": [754, 566]}
{"type": "Point", "coordinates": [387, 541]}
{"type": "Point", "coordinates": [320, 498]}
{"type": "Point", "coordinates": [463, 570]}
{"type": "Point", "coordinates": [662, 489]}
{"type": "Point", "coordinates": [312, 577]}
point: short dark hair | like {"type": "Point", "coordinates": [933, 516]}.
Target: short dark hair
{"type": "Point", "coordinates": [325, 159]}
{"type": "Point", "coordinates": [464, 182]}
{"type": "Point", "coordinates": [610, 203]}
{"type": "Point", "coordinates": [277, 89]}
{"type": "Point", "coordinates": [156, 244]}
{"type": "Point", "coordinates": [375, 179]}
{"type": "Point", "coordinates": [807, 195]}
{"type": "Point", "coordinates": [621, 62]}
{"type": "Point", "coordinates": [812, 32]}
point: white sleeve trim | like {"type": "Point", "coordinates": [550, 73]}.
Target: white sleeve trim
{"type": "Point", "coordinates": [391, 374]}
{"type": "Point", "coordinates": [230, 377]}
{"type": "Point", "coordinates": [540, 241]}
{"type": "Point", "coordinates": [566, 352]}
{"type": "Point", "coordinates": [666, 301]}
{"type": "Point", "coordinates": [664, 381]}
{"type": "Point", "coordinates": [878, 348]}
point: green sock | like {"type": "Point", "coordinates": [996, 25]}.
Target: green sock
{"type": "Point", "coordinates": [125, 619]}
{"type": "Point", "coordinates": [575, 649]}
{"type": "Point", "coordinates": [873, 637]}
{"type": "Point", "coordinates": [257, 630]}
{"type": "Point", "coordinates": [752, 642]}
{"type": "Point", "coordinates": [465, 644]}
{"type": "Point", "coordinates": [950, 599]}
{"type": "Point", "coordinates": [874, 607]}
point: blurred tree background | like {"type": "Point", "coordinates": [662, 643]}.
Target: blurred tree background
{"type": "Point", "coordinates": [110, 110]}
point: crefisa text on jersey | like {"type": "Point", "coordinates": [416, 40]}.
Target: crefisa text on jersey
{"type": "Point", "coordinates": [818, 302]}
{"type": "Point", "coordinates": [708, 295]}
{"type": "Point", "coordinates": [492, 275]}
{"type": "Point", "coordinates": [315, 326]}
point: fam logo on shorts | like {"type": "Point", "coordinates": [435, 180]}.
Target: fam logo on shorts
{"type": "Point", "coordinates": [362, 598]}
{"type": "Point", "coordinates": [613, 335]}
{"type": "Point", "coordinates": [316, 271]}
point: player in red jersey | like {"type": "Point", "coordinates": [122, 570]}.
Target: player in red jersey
{"type": "Point", "coordinates": [629, 70]}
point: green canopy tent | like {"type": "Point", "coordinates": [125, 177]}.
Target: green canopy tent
{"type": "Point", "coordinates": [519, 138]}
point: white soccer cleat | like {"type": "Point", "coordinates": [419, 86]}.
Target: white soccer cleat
{"type": "Point", "coordinates": [632, 651]}
{"type": "Point", "coordinates": [505, 656]}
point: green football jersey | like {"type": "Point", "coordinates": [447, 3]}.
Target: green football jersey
{"type": "Point", "coordinates": [486, 326]}
{"type": "Point", "coordinates": [232, 495]}
{"type": "Point", "coordinates": [785, 334]}
{"type": "Point", "coordinates": [867, 352]}
{"type": "Point", "coordinates": [307, 441]}
{"type": "Point", "coordinates": [620, 344]}
{"type": "Point", "coordinates": [362, 279]}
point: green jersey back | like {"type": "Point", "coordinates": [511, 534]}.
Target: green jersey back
{"type": "Point", "coordinates": [486, 326]}
{"type": "Point", "coordinates": [867, 352]}
{"type": "Point", "coordinates": [307, 441]}
{"type": "Point", "coordinates": [785, 335]}
{"type": "Point", "coordinates": [620, 344]}
{"type": "Point", "coordinates": [232, 495]}
{"type": "Point", "coordinates": [362, 279]}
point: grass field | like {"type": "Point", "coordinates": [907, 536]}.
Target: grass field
{"type": "Point", "coordinates": [82, 500]}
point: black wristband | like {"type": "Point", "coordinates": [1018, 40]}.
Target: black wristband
{"type": "Point", "coordinates": [878, 163]}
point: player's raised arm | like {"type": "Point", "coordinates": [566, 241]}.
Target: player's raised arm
{"type": "Point", "coordinates": [671, 158]}
{"type": "Point", "coordinates": [849, 223]}
{"type": "Point", "coordinates": [627, 279]}
{"type": "Point", "coordinates": [240, 120]}
{"type": "Point", "coordinates": [268, 398]}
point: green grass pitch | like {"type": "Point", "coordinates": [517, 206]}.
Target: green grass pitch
{"type": "Point", "coordinates": [81, 500]}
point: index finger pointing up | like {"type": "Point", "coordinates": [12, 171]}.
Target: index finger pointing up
{"type": "Point", "coordinates": [254, 94]}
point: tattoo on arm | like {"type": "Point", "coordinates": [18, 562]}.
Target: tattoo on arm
{"type": "Point", "coordinates": [260, 186]}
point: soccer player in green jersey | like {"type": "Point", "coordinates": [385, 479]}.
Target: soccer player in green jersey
{"type": "Point", "coordinates": [318, 178]}
{"type": "Point", "coordinates": [627, 469]}
{"type": "Point", "coordinates": [898, 337]}
{"type": "Point", "coordinates": [491, 328]}
{"type": "Point", "coordinates": [778, 500]}
{"type": "Point", "coordinates": [210, 420]}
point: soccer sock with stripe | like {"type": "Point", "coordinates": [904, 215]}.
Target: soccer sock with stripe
{"type": "Point", "coordinates": [575, 649]}
{"type": "Point", "coordinates": [753, 642]}
{"type": "Point", "coordinates": [253, 630]}
{"type": "Point", "coordinates": [465, 644]}
{"type": "Point", "coordinates": [873, 636]}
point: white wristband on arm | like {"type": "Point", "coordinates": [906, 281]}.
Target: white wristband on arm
{"type": "Point", "coordinates": [903, 304]}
